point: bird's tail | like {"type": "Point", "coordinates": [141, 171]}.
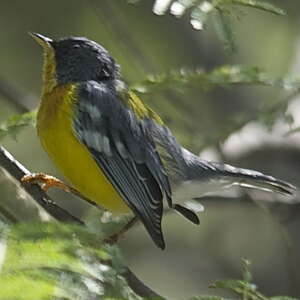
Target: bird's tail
{"type": "Point", "coordinates": [254, 179]}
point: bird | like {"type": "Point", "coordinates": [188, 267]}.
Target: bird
{"type": "Point", "coordinates": [114, 149]}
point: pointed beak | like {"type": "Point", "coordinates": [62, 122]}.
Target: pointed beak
{"type": "Point", "coordinates": [42, 40]}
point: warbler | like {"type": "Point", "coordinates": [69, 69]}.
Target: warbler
{"type": "Point", "coordinates": [114, 149]}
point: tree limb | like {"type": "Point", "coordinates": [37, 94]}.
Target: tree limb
{"type": "Point", "coordinates": [17, 170]}
{"type": "Point", "coordinates": [138, 286]}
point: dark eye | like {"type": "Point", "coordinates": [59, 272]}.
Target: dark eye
{"type": "Point", "coordinates": [76, 46]}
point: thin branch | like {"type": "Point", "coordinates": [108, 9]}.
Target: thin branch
{"type": "Point", "coordinates": [17, 170]}
{"type": "Point", "coordinates": [138, 286]}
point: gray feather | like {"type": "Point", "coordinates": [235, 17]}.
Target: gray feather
{"type": "Point", "coordinates": [212, 176]}
{"type": "Point", "coordinates": [192, 175]}
{"type": "Point", "coordinates": [125, 151]}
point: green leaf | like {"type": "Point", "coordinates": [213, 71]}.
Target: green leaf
{"type": "Point", "coordinates": [240, 287]}
{"type": "Point", "coordinates": [63, 261]}
{"type": "Point", "coordinates": [15, 123]}
{"type": "Point", "coordinates": [227, 76]}
{"type": "Point", "coordinates": [223, 29]}
{"type": "Point", "coordinates": [261, 5]}
{"type": "Point", "coordinates": [48, 260]}
{"type": "Point", "coordinates": [221, 76]}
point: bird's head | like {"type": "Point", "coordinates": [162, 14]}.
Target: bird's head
{"type": "Point", "coordinates": [75, 59]}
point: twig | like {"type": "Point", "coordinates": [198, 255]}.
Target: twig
{"type": "Point", "coordinates": [115, 237]}
{"type": "Point", "coordinates": [17, 170]}
{"type": "Point", "coordinates": [138, 286]}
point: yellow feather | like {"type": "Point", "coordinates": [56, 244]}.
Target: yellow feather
{"type": "Point", "coordinates": [139, 108]}
{"type": "Point", "coordinates": [49, 69]}
{"type": "Point", "coordinates": [54, 125]}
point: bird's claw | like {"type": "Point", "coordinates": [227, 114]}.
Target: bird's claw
{"type": "Point", "coordinates": [46, 181]}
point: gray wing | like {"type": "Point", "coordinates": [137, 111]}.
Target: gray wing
{"type": "Point", "coordinates": [124, 150]}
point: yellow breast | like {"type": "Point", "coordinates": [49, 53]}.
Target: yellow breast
{"type": "Point", "coordinates": [54, 125]}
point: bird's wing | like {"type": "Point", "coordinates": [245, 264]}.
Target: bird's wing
{"type": "Point", "coordinates": [124, 150]}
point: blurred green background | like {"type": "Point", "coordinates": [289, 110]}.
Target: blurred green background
{"type": "Point", "coordinates": [142, 42]}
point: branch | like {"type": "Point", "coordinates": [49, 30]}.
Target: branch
{"type": "Point", "coordinates": [138, 286]}
{"type": "Point", "coordinates": [17, 170]}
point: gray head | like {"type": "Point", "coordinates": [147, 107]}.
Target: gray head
{"type": "Point", "coordinates": [78, 59]}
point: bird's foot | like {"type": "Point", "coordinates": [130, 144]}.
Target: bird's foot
{"type": "Point", "coordinates": [46, 181]}
{"type": "Point", "coordinates": [114, 238]}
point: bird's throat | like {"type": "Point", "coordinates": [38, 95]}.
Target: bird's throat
{"type": "Point", "coordinates": [49, 71]}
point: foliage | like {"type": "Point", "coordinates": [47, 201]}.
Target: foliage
{"type": "Point", "coordinates": [63, 261]}
{"type": "Point", "coordinates": [243, 288]}
{"type": "Point", "coordinates": [182, 79]}
{"type": "Point", "coordinates": [219, 77]}
{"type": "Point", "coordinates": [15, 123]}
{"type": "Point", "coordinates": [218, 11]}
{"type": "Point", "coordinates": [226, 76]}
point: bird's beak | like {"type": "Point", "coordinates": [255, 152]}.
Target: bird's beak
{"type": "Point", "coordinates": [44, 41]}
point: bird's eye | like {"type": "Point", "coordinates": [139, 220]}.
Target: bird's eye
{"type": "Point", "coordinates": [76, 47]}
